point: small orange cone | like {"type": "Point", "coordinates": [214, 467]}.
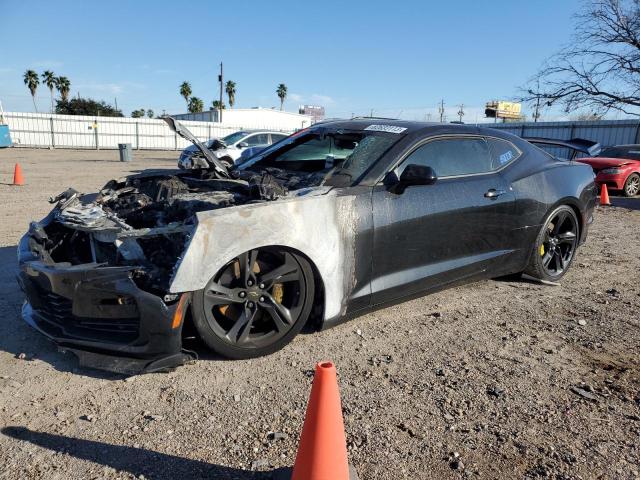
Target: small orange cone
{"type": "Point", "coordinates": [604, 195]}
{"type": "Point", "coordinates": [322, 453]}
{"type": "Point", "coordinates": [18, 179]}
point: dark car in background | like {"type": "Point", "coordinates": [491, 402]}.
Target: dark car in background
{"type": "Point", "coordinates": [333, 221]}
{"type": "Point", "coordinates": [618, 167]}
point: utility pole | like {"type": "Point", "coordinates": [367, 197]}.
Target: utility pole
{"type": "Point", "coordinates": [220, 79]}
{"type": "Point", "coordinates": [538, 96]}
{"type": "Point", "coordinates": [371, 114]}
{"type": "Point", "coordinates": [461, 112]}
{"type": "Point", "coordinates": [115, 100]}
{"type": "Point", "coordinates": [536, 112]}
{"type": "Point", "coordinates": [441, 110]}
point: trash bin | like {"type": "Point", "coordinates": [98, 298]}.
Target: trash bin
{"type": "Point", "coordinates": [125, 152]}
{"type": "Point", "coordinates": [5, 138]}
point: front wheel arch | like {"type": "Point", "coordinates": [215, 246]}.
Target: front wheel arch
{"type": "Point", "coordinates": [240, 310]}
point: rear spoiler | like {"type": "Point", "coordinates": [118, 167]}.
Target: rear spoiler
{"type": "Point", "coordinates": [577, 145]}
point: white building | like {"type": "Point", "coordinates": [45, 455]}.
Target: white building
{"type": "Point", "coordinates": [252, 118]}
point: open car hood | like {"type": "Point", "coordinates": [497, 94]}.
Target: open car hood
{"type": "Point", "coordinates": [184, 132]}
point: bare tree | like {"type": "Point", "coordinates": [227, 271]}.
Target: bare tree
{"type": "Point", "coordinates": [600, 70]}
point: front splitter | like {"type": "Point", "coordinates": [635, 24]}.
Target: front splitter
{"type": "Point", "coordinates": [111, 363]}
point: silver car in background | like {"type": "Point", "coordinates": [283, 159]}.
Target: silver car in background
{"type": "Point", "coordinates": [229, 149]}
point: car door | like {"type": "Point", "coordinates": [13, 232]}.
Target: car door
{"type": "Point", "coordinates": [432, 235]}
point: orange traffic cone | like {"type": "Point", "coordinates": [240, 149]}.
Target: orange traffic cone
{"type": "Point", "coordinates": [18, 179]}
{"type": "Point", "coordinates": [322, 453]}
{"type": "Point", "coordinates": [604, 195]}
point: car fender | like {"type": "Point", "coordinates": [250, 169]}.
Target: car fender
{"type": "Point", "coordinates": [630, 169]}
{"type": "Point", "coordinates": [323, 227]}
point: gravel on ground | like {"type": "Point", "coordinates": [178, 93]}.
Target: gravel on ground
{"type": "Point", "coordinates": [498, 379]}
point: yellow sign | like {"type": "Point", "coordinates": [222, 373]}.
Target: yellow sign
{"type": "Point", "coordinates": [502, 109]}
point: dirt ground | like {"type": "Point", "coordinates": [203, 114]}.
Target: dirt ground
{"type": "Point", "coordinates": [499, 379]}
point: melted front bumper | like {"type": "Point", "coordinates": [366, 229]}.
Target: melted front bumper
{"type": "Point", "coordinates": [99, 313]}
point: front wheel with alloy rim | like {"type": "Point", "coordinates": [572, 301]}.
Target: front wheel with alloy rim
{"type": "Point", "coordinates": [632, 185]}
{"type": "Point", "coordinates": [255, 304]}
{"type": "Point", "coordinates": [555, 245]}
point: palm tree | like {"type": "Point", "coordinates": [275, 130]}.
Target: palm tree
{"type": "Point", "coordinates": [50, 81]}
{"type": "Point", "coordinates": [185, 91]}
{"type": "Point", "coordinates": [282, 93]}
{"type": "Point", "coordinates": [64, 87]}
{"type": "Point", "coordinates": [195, 105]}
{"type": "Point", "coordinates": [215, 105]}
{"type": "Point", "coordinates": [31, 80]}
{"type": "Point", "coordinates": [230, 88]}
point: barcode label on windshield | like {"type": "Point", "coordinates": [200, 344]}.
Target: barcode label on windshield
{"type": "Point", "coordinates": [386, 128]}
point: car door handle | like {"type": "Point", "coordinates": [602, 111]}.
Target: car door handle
{"type": "Point", "coordinates": [493, 193]}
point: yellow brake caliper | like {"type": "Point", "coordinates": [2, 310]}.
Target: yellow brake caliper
{"type": "Point", "coordinates": [278, 292]}
{"type": "Point", "coordinates": [542, 250]}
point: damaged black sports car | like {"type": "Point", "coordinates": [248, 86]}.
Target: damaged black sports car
{"type": "Point", "coordinates": [336, 220]}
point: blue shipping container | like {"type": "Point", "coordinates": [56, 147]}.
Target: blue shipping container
{"type": "Point", "coordinates": [5, 138]}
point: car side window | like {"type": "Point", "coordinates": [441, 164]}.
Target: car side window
{"type": "Point", "coordinates": [452, 157]}
{"type": "Point", "coordinates": [502, 152]}
{"type": "Point", "coordinates": [276, 137]}
{"type": "Point", "coordinates": [259, 139]}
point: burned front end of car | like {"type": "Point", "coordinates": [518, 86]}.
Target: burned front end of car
{"type": "Point", "coordinates": [97, 270]}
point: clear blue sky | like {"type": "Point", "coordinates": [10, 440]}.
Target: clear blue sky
{"type": "Point", "coordinates": [397, 58]}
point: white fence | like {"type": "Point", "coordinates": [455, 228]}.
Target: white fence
{"type": "Point", "coordinates": [75, 131]}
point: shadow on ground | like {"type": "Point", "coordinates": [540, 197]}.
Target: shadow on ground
{"type": "Point", "coordinates": [137, 461]}
{"type": "Point", "coordinates": [632, 203]}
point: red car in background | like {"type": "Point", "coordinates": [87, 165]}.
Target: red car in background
{"type": "Point", "coordinates": [618, 167]}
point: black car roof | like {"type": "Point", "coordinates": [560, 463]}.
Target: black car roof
{"type": "Point", "coordinates": [413, 127]}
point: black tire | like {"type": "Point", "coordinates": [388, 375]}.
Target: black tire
{"type": "Point", "coordinates": [631, 185]}
{"type": "Point", "coordinates": [555, 245]}
{"type": "Point", "coordinates": [274, 296]}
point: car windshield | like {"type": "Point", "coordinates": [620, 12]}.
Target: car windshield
{"type": "Point", "coordinates": [234, 137]}
{"type": "Point", "coordinates": [631, 153]}
{"type": "Point", "coordinates": [338, 151]}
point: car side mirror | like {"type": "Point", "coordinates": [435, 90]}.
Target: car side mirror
{"type": "Point", "coordinates": [414, 174]}
{"type": "Point", "coordinates": [243, 145]}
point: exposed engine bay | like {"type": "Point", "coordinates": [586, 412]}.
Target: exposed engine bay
{"type": "Point", "coordinates": [145, 221]}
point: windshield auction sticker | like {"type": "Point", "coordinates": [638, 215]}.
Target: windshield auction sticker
{"type": "Point", "coordinates": [386, 128]}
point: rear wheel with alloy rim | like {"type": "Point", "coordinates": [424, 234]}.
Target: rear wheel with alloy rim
{"type": "Point", "coordinates": [632, 185]}
{"type": "Point", "coordinates": [255, 304]}
{"type": "Point", "coordinates": [555, 246]}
